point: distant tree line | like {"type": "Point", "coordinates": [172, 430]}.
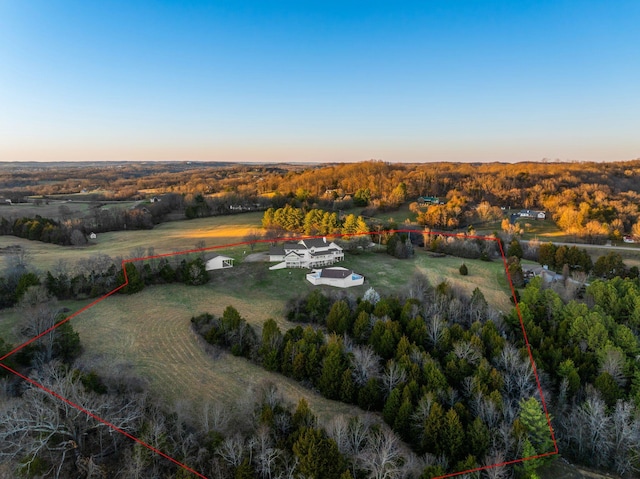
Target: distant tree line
{"type": "Point", "coordinates": [589, 201]}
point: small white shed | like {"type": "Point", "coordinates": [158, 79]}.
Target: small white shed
{"type": "Point", "coordinates": [219, 262]}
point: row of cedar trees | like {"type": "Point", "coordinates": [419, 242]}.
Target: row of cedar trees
{"type": "Point", "coordinates": [424, 367]}
{"type": "Point", "coordinates": [98, 282]}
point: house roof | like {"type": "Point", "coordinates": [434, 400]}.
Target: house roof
{"type": "Point", "coordinates": [323, 253]}
{"type": "Point", "coordinates": [209, 258]}
{"type": "Point", "coordinates": [340, 273]}
{"type": "Point", "coordinates": [315, 242]}
{"type": "Point", "coordinates": [293, 246]}
{"type": "Point", "coordinates": [276, 250]}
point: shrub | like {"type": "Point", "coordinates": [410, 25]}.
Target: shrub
{"type": "Point", "coordinates": [464, 270]}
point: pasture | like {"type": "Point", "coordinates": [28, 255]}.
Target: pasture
{"type": "Point", "coordinates": [149, 335]}
{"type": "Point", "coordinates": [165, 238]}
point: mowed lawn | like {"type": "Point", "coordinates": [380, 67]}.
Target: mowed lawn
{"type": "Point", "coordinates": [148, 334]}
{"type": "Point", "coordinates": [164, 238]}
{"type": "Point", "coordinates": [388, 275]}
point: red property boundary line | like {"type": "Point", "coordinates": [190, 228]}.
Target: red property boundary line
{"type": "Point", "coordinates": [243, 243]}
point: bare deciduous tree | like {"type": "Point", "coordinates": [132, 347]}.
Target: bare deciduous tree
{"type": "Point", "coordinates": [365, 364]}
{"type": "Point", "coordinates": [38, 425]}
{"type": "Point", "coordinates": [393, 375]}
{"type": "Point", "coordinates": [383, 457]}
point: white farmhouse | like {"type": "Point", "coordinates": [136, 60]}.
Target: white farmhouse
{"type": "Point", "coordinates": [307, 253]}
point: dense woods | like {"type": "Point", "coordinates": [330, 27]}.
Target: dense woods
{"type": "Point", "coordinates": [455, 382]}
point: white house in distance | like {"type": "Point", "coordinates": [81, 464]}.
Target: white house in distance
{"type": "Point", "coordinates": [336, 276]}
{"type": "Point", "coordinates": [539, 215]}
{"type": "Point", "coordinates": [218, 262]}
{"type": "Point", "coordinates": [306, 253]}
{"type": "Point", "coordinates": [93, 235]}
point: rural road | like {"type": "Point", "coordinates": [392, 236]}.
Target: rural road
{"type": "Point", "coordinates": [584, 245]}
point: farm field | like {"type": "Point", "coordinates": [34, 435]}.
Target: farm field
{"type": "Point", "coordinates": [164, 238]}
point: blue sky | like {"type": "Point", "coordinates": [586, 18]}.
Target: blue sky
{"type": "Point", "coordinates": [319, 80]}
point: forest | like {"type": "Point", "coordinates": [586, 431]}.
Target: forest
{"type": "Point", "coordinates": [442, 381]}
{"type": "Point", "coordinates": [590, 201]}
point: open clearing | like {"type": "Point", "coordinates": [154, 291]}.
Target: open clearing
{"type": "Point", "coordinates": [149, 335]}
{"type": "Point", "coordinates": [164, 238]}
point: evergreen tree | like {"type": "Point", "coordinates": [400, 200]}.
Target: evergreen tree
{"type": "Point", "coordinates": [432, 430]}
{"type": "Point", "coordinates": [533, 419]}
{"type": "Point", "coordinates": [452, 435]}
{"type": "Point", "coordinates": [333, 366]}
{"type": "Point", "coordinates": [391, 406]}
{"type": "Point", "coordinates": [339, 318]}
{"type": "Point", "coordinates": [271, 345]}
{"type": "Point", "coordinates": [318, 455]}
{"type": "Point", "coordinates": [135, 283]}
{"type": "Point", "coordinates": [515, 249]}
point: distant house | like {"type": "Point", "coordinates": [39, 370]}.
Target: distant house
{"type": "Point", "coordinates": [307, 253]}
{"type": "Point", "coordinates": [428, 200]}
{"type": "Point", "coordinates": [628, 239]}
{"type": "Point", "coordinates": [218, 262]}
{"type": "Point", "coordinates": [336, 276]}
{"type": "Point", "coordinates": [93, 235]}
{"type": "Point", "coordinates": [540, 215]}
{"type": "Point", "coordinates": [155, 199]}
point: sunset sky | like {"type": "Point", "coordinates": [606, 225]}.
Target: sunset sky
{"type": "Point", "coordinates": [268, 80]}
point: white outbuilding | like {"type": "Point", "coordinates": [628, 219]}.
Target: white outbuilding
{"type": "Point", "coordinates": [219, 262]}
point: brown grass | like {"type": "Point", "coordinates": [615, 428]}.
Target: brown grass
{"type": "Point", "coordinates": [164, 238]}
{"type": "Point", "coordinates": [150, 333]}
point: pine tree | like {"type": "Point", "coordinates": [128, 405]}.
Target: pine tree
{"type": "Point", "coordinates": [318, 455]}
{"type": "Point", "coordinates": [333, 366]}
{"type": "Point", "coordinates": [339, 318]}
{"type": "Point", "coordinates": [391, 407]}
{"type": "Point", "coordinates": [535, 423]}
{"type": "Point", "coordinates": [432, 430]}
{"type": "Point", "coordinates": [478, 437]}
{"type": "Point", "coordinates": [452, 435]}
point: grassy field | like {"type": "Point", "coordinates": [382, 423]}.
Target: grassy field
{"type": "Point", "coordinates": [560, 469]}
{"type": "Point", "coordinates": [164, 238]}
{"type": "Point", "coordinates": [52, 210]}
{"type": "Point", "coordinates": [387, 274]}
{"type": "Point", "coordinates": [156, 343]}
